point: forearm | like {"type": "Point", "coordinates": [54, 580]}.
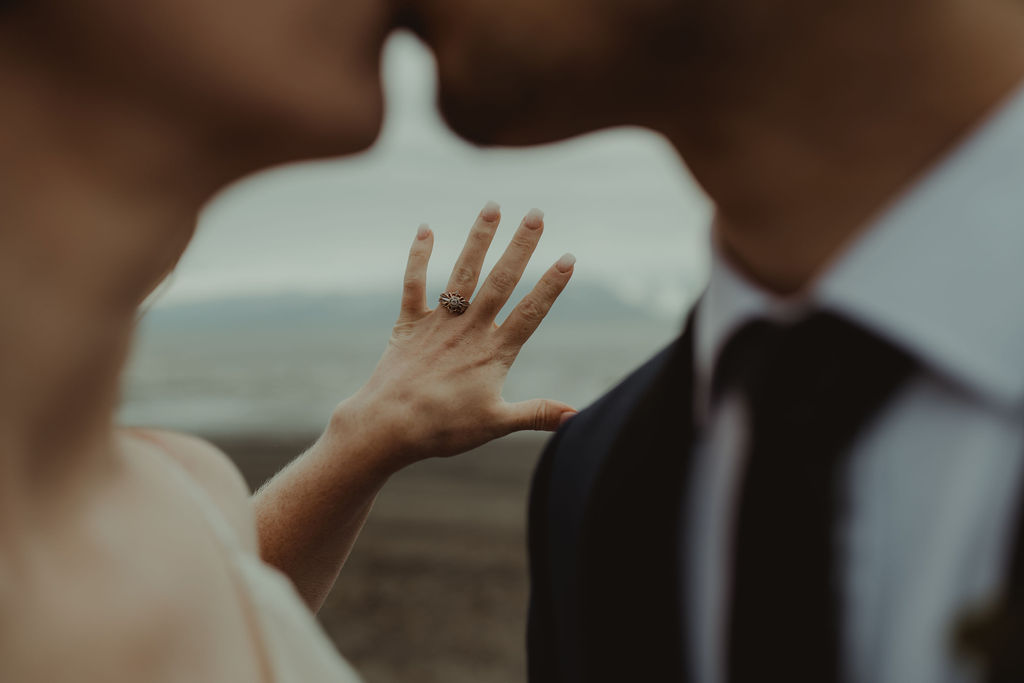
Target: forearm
{"type": "Point", "coordinates": [310, 515]}
{"type": "Point", "coordinates": [436, 392]}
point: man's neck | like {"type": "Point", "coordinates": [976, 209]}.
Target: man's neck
{"type": "Point", "coordinates": [97, 202]}
{"type": "Point", "coordinates": [800, 145]}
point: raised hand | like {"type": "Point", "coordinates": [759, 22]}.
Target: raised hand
{"type": "Point", "coordinates": [437, 388]}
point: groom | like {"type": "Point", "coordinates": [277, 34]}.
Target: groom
{"type": "Point", "coordinates": [821, 479]}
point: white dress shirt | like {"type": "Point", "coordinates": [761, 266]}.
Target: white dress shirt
{"type": "Point", "coordinates": [933, 483]}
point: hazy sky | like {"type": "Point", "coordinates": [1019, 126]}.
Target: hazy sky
{"type": "Point", "coordinates": [620, 200]}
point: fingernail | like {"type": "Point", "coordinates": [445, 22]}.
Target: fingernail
{"type": "Point", "coordinates": [565, 263]}
{"type": "Point", "coordinates": [566, 417]}
{"type": "Point", "coordinates": [491, 211]}
{"type": "Point", "coordinates": [534, 219]}
{"type": "Point", "coordinates": [423, 233]}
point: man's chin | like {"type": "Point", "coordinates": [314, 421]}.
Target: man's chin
{"type": "Point", "coordinates": [481, 124]}
{"type": "Point", "coordinates": [469, 122]}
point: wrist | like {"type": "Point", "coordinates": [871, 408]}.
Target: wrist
{"type": "Point", "coordinates": [367, 432]}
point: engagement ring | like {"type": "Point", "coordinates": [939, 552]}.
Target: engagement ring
{"type": "Point", "coordinates": [454, 303]}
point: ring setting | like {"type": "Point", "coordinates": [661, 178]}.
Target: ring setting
{"type": "Point", "coordinates": [454, 303]}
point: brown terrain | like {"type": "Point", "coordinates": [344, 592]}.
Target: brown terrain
{"type": "Point", "coordinates": [435, 590]}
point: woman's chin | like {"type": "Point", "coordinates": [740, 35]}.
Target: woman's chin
{"type": "Point", "coordinates": [328, 129]}
{"type": "Point", "coordinates": [354, 132]}
{"type": "Point", "coordinates": [348, 123]}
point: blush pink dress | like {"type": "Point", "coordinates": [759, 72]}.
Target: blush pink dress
{"type": "Point", "coordinates": [291, 645]}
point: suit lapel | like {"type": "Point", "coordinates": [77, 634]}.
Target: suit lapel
{"type": "Point", "coordinates": [630, 586]}
{"type": "Point", "coordinates": [631, 604]}
{"type": "Point", "coordinates": [995, 636]}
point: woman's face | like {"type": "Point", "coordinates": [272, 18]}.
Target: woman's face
{"type": "Point", "coordinates": [298, 76]}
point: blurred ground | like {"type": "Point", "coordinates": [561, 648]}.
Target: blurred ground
{"type": "Point", "coordinates": [435, 591]}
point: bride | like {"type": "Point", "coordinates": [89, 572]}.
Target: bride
{"type": "Point", "coordinates": [134, 555]}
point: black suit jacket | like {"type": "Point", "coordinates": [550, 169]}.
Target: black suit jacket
{"type": "Point", "coordinates": [605, 534]}
{"type": "Point", "coordinates": [604, 529]}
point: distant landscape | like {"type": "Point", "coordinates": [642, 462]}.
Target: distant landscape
{"type": "Point", "coordinates": [436, 588]}
{"type": "Point", "coordinates": [280, 363]}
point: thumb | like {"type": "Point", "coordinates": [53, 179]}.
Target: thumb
{"type": "Point", "coordinates": [539, 415]}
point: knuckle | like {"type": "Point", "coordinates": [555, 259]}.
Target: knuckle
{"type": "Point", "coordinates": [549, 288]}
{"type": "Point", "coordinates": [505, 356]}
{"type": "Point", "coordinates": [463, 274]}
{"type": "Point", "coordinates": [504, 280]}
{"type": "Point", "coordinates": [532, 310]}
{"type": "Point", "coordinates": [403, 329]}
{"type": "Point", "coordinates": [412, 284]}
{"type": "Point", "coordinates": [454, 342]}
{"type": "Point", "coordinates": [481, 236]}
{"type": "Point", "coordinates": [540, 417]}
{"type": "Point", "coordinates": [523, 242]}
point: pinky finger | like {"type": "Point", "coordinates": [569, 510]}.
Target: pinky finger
{"type": "Point", "coordinates": [414, 288]}
{"type": "Point", "coordinates": [527, 316]}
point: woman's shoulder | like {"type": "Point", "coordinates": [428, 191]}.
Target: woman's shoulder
{"type": "Point", "coordinates": [212, 471]}
{"type": "Point", "coordinates": [125, 584]}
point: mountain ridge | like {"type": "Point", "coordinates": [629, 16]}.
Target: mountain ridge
{"type": "Point", "coordinates": [579, 303]}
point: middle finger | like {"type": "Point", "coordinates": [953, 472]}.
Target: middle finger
{"type": "Point", "coordinates": [507, 272]}
{"type": "Point", "coordinates": [466, 273]}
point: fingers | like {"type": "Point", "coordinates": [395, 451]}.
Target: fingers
{"type": "Point", "coordinates": [530, 312]}
{"type": "Point", "coordinates": [539, 415]}
{"type": "Point", "coordinates": [466, 273]}
{"type": "Point", "coordinates": [414, 289]}
{"type": "Point", "coordinates": [506, 273]}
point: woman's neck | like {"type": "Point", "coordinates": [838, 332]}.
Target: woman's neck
{"type": "Point", "coordinates": [98, 200]}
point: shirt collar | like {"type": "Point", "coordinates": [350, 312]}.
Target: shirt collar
{"type": "Point", "coordinates": [940, 273]}
{"type": "Point", "coordinates": [729, 302]}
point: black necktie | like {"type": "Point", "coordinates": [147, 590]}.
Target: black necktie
{"type": "Point", "coordinates": [808, 388]}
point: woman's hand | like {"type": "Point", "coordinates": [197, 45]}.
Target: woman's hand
{"type": "Point", "coordinates": [437, 389]}
{"type": "Point", "coordinates": [436, 392]}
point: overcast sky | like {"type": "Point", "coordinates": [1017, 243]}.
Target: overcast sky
{"type": "Point", "coordinates": [620, 200]}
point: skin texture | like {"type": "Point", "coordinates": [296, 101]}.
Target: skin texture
{"type": "Point", "coordinates": [436, 392]}
{"type": "Point", "coordinates": [801, 120]}
{"type": "Point", "coordinates": [533, 71]}
{"type": "Point", "coordinates": [307, 70]}
{"type": "Point", "coordinates": [118, 122]}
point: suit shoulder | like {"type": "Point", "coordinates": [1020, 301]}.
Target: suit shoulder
{"type": "Point", "coordinates": [561, 487]}
{"type": "Point", "coordinates": [573, 457]}
{"type": "Point", "coordinates": [608, 413]}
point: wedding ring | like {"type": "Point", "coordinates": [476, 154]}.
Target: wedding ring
{"type": "Point", "coordinates": [454, 303]}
